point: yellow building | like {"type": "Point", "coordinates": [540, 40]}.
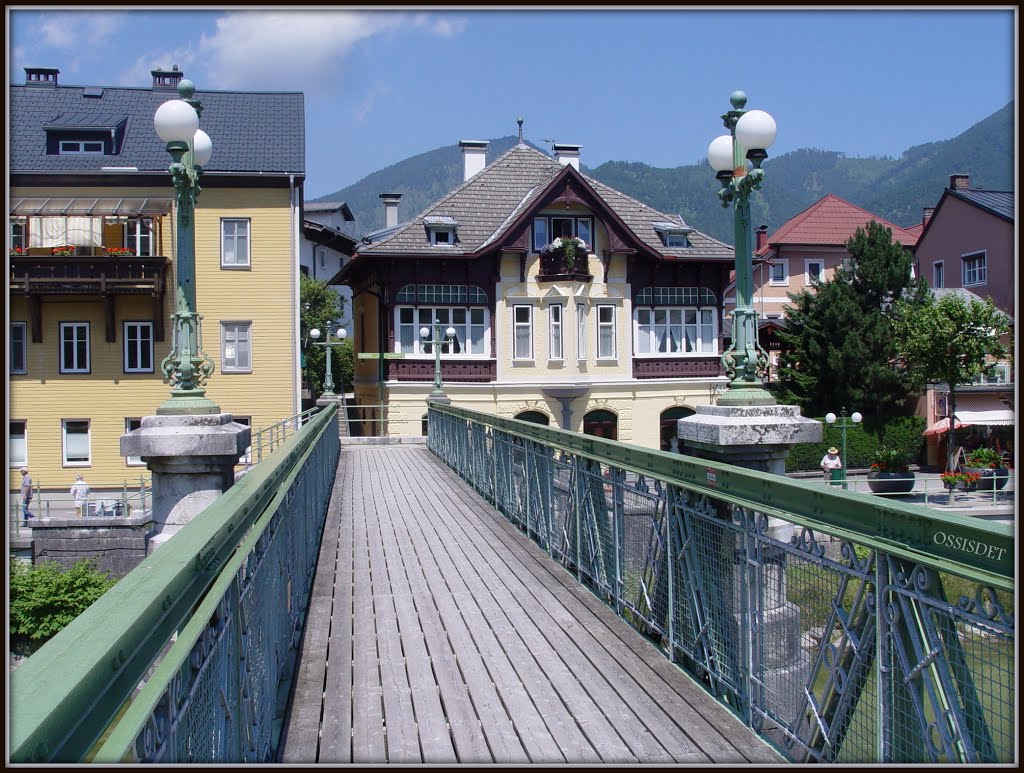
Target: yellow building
{"type": "Point", "coordinates": [621, 338]}
{"type": "Point", "coordinates": [91, 240]}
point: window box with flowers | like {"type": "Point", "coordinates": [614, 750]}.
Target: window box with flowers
{"type": "Point", "coordinates": [890, 472]}
{"type": "Point", "coordinates": [964, 481]}
{"type": "Point", "coordinates": [566, 255]}
{"type": "Point", "coordinates": [987, 464]}
{"type": "Point", "coordinates": [120, 252]}
{"type": "Point", "coordinates": [17, 252]}
{"type": "Point", "coordinates": [63, 251]}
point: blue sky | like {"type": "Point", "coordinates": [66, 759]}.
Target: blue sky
{"type": "Point", "coordinates": [381, 85]}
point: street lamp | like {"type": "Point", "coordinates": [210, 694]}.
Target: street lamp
{"type": "Point", "coordinates": [855, 418]}
{"type": "Point", "coordinates": [437, 342]}
{"type": "Point", "coordinates": [341, 335]}
{"type": "Point", "coordinates": [750, 133]}
{"type": "Point", "coordinates": [187, 367]}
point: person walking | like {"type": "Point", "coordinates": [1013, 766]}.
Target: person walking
{"type": "Point", "coordinates": [829, 462]}
{"type": "Point", "coordinates": [26, 496]}
{"type": "Point", "coordinates": [80, 491]}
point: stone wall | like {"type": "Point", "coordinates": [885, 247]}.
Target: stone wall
{"type": "Point", "coordinates": [118, 545]}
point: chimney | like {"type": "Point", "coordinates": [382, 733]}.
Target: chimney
{"type": "Point", "coordinates": [567, 154]}
{"type": "Point", "coordinates": [926, 215]}
{"type": "Point", "coordinates": [166, 79]}
{"type": "Point", "coordinates": [474, 157]}
{"type": "Point", "coordinates": [41, 76]}
{"type": "Point", "coordinates": [761, 234]}
{"type": "Point", "coordinates": [390, 208]}
{"type": "Point", "coordinates": [959, 182]}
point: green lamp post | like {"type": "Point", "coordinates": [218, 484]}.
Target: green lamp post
{"type": "Point", "coordinates": [750, 133]}
{"type": "Point", "coordinates": [437, 342]}
{"type": "Point", "coordinates": [187, 367]}
{"type": "Point", "coordinates": [315, 335]}
{"type": "Point", "coordinates": [855, 418]}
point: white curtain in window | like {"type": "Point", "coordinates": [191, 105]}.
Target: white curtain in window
{"type": "Point", "coordinates": [58, 231]}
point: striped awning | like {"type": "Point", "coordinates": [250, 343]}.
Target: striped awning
{"type": "Point", "coordinates": [91, 207]}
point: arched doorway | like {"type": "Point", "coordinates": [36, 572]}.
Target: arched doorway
{"type": "Point", "coordinates": [536, 417]}
{"type": "Point", "coordinates": [668, 420]}
{"type": "Point", "coordinates": [601, 423]}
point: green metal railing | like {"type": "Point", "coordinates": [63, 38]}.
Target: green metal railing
{"type": "Point", "coordinates": [841, 627]}
{"type": "Point", "coordinates": [210, 622]}
{"type": "Point", "coordinates": [266, 439]}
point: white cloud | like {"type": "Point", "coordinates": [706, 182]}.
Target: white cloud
{"type": "Point", "coordinates": [67, 30]}
{"type": "Point", "coordinates": [296, 50]}
{"type": "Point", "coordinates": [370, 100]}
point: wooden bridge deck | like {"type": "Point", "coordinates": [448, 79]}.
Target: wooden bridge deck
{"type": "Point", "coordinates": [438, 634]}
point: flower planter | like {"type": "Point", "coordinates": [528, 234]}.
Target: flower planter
{"type": "Point", "coordinates": [992, 479]}
{"type": "Point", "coordinates": [891, 482]}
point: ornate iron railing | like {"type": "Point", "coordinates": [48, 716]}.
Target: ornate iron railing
{"type": "Point", "coordinates": [210, 622]}
{"type": "Point", "coordinates": [841, 627]}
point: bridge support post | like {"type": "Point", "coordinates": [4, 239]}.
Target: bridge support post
{"type": "Point", "coordinates": [192, 459]}
{"type": "Point", "coordinates": [758, 437]}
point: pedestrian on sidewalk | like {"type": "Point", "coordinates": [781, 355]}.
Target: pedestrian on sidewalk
{"type": "Point", "coordinates": [831, 461]}
{"type": "Point", "coordinates": [80, 491]}
{"type": "Point", "coordinates": [26, 496]}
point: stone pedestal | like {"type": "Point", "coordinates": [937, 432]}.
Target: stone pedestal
{"type": "Point", "coordinates": [324, 400]}
{"type": "Point", "coordinates": [759, 438]}
{"type": "Point", "coordinates": [192, 459]}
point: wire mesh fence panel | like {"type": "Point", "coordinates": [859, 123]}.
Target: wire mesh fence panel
{"type": "Point", "coordinates": [644, 567]}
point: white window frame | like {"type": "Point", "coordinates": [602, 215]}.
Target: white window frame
{"type": "Point", "coordinates": [449, 234]}
{"type": "Point", "coordinates": [140, 349]}
{"type": "Point", "coordinates": [75, 328]}
{"type": "Point", "coordinates": [424, 316]}
{"type": "Point", "coordinates": [675, 239]}
{"type": "Point", "coordinates": [556, 341]}
{"type": "Point", "coordinates": [238, 262]}
{"type": "Point", "coordinates": [132, 423]}
{"type": "Point", "coordinates": [64, 443]}
{"type": "Point", "coordinates": [938, 274]}
{"type": "Point", "coordinates": [17, 229]}
{"type": "Point", "coordinates": [549, 230]}
{"type": "Point", "coordinates": [139, 235]}
{"type": "Point", "coordinates": [229, 334]}
{"type": "Point", "coordinates": [782, 263]}
{"type": "Point", "coordinates": [980, 272]}
{"type": "Point", "coordinates": [15, 461]}
{"type": "Point", "coordinates": [606, 325]}
{"type": "Point", "coordinates": [581, 331]}
{"type": "Point", "coordinates": [808, 279]}
{"type": "Point", "coordinates": [646, 325]}
{"type": "Point", "coordinates": [77, 147]}
{"type": "Point", "coordinates": [19, 360]}
{"type": "Point", "coordinates": [518, 325]}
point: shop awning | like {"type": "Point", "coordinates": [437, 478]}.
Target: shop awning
{"type": "Point", "coordinates": [985, 410]}
{"type": "Point", "coordinates": [995, 418]}
{"type": "Point", "coordinates": [942, 425]}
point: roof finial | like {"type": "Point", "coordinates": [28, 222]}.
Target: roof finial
{"type": "Point", "coordinates": [520, 122]}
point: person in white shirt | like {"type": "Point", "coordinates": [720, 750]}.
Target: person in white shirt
{"type": "Point", "coordinates": [831, 461]}
{"type": "Point", "coordinates": [80, 491]}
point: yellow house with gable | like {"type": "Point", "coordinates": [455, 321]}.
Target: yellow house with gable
{"type": "Point", "coordinates": [91, 240]}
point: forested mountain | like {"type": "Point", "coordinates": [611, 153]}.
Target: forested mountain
{"type": "Point", "coordinates": [896, 189]}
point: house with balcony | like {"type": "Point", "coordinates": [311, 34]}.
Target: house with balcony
{"type": "Point", "coordinates": [618, 335]}
{"type": "Point", "coordinates": [91, 244]}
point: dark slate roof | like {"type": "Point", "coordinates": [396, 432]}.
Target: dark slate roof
{"type": "Point", "coordinates": [251, 131]}
{"type": "Point", "coordinates": [487, 204]}
{"type": "Point", "coordinates": [999, 203]}
{"type": "Point", "coordinates": [86, 121]}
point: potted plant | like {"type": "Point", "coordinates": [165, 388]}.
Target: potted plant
{"type": "Point", "coordinates": [120, 251]}
{"type": "Point", "coordinates": [63, 250]}
{"type": "Point", "coordinates": [987, 464]}
{"type": "Point", "coordinates": [890, 472]}
{"type": "Point", "coordinates": [16, 252]}
{"type": "Point", "coordinates": [965, 481]}
{"type": "Point", "coordinates": [571, 249]}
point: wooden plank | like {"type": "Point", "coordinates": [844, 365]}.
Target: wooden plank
{"type": "Point", "coordinates": [301, 734]}
{"type": "Point", "coordinates": [685, 703]}
{"type": "Point", "coordinates": [336, 729]}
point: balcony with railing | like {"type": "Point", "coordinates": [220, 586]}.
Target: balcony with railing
{"type": "Point", "coordinates": [104, 272]}
{"type": "Point", "coordinates": [461, 370]}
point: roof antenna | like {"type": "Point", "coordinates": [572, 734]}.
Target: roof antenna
{"type": "Point", "coordinates": [520, 122]}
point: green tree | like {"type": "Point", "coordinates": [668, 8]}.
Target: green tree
{"type": "Point", "coordinates": [320, 304]}
{"type": "Point", "coordinates": [46, 597]}
{"type": "Point", "coordinates": [842, 351]}
{"type": "Point", "coordinates": [950, 340]}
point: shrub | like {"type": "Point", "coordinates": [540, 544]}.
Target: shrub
{"type": "Point", "coordinates": [889, 460]}
{"type": "Point", "coordinates": [902, 434]}
{"type": "Point", "coordinates": [46, 597]}
{"type": "Point", "coordinates": [984, 457]}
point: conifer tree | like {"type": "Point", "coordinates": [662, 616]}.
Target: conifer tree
{"type": "Point", "coordinates": [842, 350]}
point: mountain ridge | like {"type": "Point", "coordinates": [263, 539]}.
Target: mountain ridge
{"type": "Point", "coordinates": [895, 189]}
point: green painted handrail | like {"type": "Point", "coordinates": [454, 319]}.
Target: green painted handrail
{"type": "Point", "coordinates": [979, 550]}
{"type": "Point", "coordinates": [64, 696]}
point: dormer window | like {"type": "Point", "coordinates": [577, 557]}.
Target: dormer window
{"type": "Point", "coordinates": [81, 146]}
{"type": "Point", "coordinates": [81, 133]}
{"type": "Point", "coordinates": [441, 229]}
{"type": "Point", "coordinates": [673, 234]}
{"type": "Point", "coordinates": [548, 228]}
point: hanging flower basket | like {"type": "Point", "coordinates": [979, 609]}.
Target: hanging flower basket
{"type": "Point", "coordinates": [568, 252]}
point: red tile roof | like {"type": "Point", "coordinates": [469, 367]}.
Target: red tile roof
{"type": "Point", "coordinates": [831, 221]}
